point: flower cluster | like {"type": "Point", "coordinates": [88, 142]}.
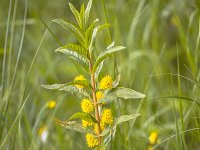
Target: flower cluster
{"type": "Point", "coordinates": [91, 140]}
{"type": "Point", "coordinates": [106, 83]}
{"type": "Point", "coordinates": [51, 104]}
{"type": "Point", "coordinates": [99, 95]}
{"type": "Point", "coordinates": [107, 117]}
{"type": "Point", "coordinates": [87, 106]}
{"type": "Point", "coordinates": [86, 124]}
{"type": "Point", "coordinates": [153, 137]}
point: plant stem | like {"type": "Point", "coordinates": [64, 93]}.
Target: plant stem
{"type": "Point", "coordinates": [97, 116]}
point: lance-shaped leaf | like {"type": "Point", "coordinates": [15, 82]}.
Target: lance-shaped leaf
{"type": "Point", "coordinates": [80, 61]}
{"type": "Point", "coordinates": [121, 92]}
{"type": "Point", "coordinates": [83, 116]}
{"type": "Point", "coordinates": [62, 86]}
{"type": "Point", "coordinates": [82, 16]}
{"type": "Point", "coordinates": [117, 121]}
{"type": "Point", "coordinates": [116, 82]}
{"type": "Point", "coordinates": [76, 57]}
{"type": "Point", "coordinates": [72, 125]}
{"type": "Point", "coordinates": [88, 33]}
{"type": "Point", "coordinates": [98, 70]}
{"type": "Point", "coordinates": [74, 50]}
{"type": "Point", "coordinates": [76, 14]}
{"type": "Point", "coordinates": [105, 54]}
{"type": "Point", "coordinates": [73, 28]}
{"type": "Point", "coordinates": [124, 118]}
{"type": "Point", "coordinates": [81, 93]}
{"type": "Point", "coordinates": [94, 34]}
{"type": "Point", "coordinates": [87, 11]}
{"type": "Point", "coordinates": [53, 86]}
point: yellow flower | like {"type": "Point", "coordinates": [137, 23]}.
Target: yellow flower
{"type": "Point", "coordinates": [79, 78]}
{"type": "Point", "coordinates": [91, 140]}
{"type": "Point", "coordinates": [99, 95]}
{"type": "Point", "coordinates": [96, 127]}
{"type": "Point", "coordinates": [106, 83]}
{"type": "Point", "coordinates": [107, 117]}
{"type": "Point", "coordinates": [43, 133]}
{"type": "Point", "coordinates": [51, 104]}
{"type": "Point", "coordinates": [87, 106]}
{"type": "Point", "coordinates": [86, 124]}
{"type": "Point", "coordinates": [153, 137]}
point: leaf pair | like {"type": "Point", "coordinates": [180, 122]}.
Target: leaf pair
{"type": "Point", "coordinates": [75, 126]}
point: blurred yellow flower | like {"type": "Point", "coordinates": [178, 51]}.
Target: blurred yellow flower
{"type": "Point", "coordinates": [87, 106]}
{"type": "Point", "coordinates": [79, 78]}
{"type": "Point", "coordinates": [51, 104]}
{"type": "Point", "coordinates": [99, 95]}
{"type": "Point", "coordinates": [43, 133]}
{"type": "Point", "coordinates": [153, 137]}
{"type": "Point", "coordinates": [91, 140]}
{"type": "Point", "coordinates": [106, 83]}
{"type": "Point", "coordinates": [86, 124]}
{"type": "Point", "coordinates": [107, 117]}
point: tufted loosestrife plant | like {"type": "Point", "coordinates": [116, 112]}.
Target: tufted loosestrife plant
{"type": "Point", "coordinates": [96, 119]}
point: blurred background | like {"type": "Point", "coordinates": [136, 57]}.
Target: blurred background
{"type": "Point", "coordinates": [161, 60]}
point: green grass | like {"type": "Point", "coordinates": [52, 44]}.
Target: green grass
{"type": "Point", "coordinates": [161, 60]}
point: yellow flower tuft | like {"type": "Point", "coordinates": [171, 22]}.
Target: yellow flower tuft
{"type": "Point", "coordinates": [107, 117]}
{"type": "Point", "coordinates": [99, 95]}
{"type": "Point", "coordinates": [106, 83]}
{"type": "Point", "coordinates": [153, 137]}
{"type": "Point", "coordinates": [86, 124]}
{"type": "Point", "coordinates": [79, 78]}
{"type": "Point", "coordinates": [87, 106]}
{"type": "Point", "coordinates": [102, 126]}
{"type": "Point", "coordinates": [51, 104]}
{"type": "Point", "coordinates": [91, 140]}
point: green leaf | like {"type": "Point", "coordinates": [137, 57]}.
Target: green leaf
{"type": "Point", "coordinates": [111, 45]}
{"type": "Point", "coordinates": [88, 33]}
{"type": "Point", "coordinates": [76, 14]}
{"type": "Point", "coordinates": [73, 28]}
{"type": "Point", "coordinates": [121, 92]}
{"type": "Point", "coordinates": [70, 48]}
{"type": "Point", "coordinates": [83, 116]}
{"type": "Point", "coordinates": [116, 82]}
{"type": "Point", "coordinates": [87, 11]}
{"type": "Point", "coordinates": [75, 56]}
{"type": "Point", "coordinates": [72, 125]}
{"type": "Point", "coordinates": [81, 61]}
{"type": "Point", "coordinates": [53, 86]}
{"type": "Point", "coordinates": [117, 121]}
{"type": "Point", "coordinates": [124, 118]}
{"type": "Point", "coordinates": [94, 34]}
{"type": "Point", "coordinates": [63, 86]}
{"type": "Point", "coordinates": [98, 70]}
{"type": "Point", "coordinates": [105, 54]}
{"type": "Point", "coordinates": [82, 16]}
{"type": "Point", "coordinates": [106, 131]}
{"type": "Point", "coordinates": [74, 90]}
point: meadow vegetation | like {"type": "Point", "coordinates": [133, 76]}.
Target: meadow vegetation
{"type": "Point", "coordinates": [161, 60]}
